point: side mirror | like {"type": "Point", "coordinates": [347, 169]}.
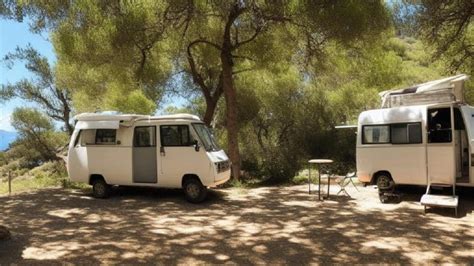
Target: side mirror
{"type": "Point", "coordinates": [196, 145]}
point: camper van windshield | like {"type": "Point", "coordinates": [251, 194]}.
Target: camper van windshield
{"type": "Point", "coordinates": [206, 137]}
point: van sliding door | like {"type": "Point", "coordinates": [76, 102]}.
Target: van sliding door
{"type": "Point", "coordinates": [144, 154]}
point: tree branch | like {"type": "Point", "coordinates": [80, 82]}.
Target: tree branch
{"type": "Point", "coordinates": [195, 73]}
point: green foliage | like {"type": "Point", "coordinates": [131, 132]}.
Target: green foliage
{"type": "Point", "coordinates": [287, 118]}
{"type": "Point", "coordinates": [134, 102]}
{"type": "Point", "coordinates": [110, 60]}
{"type": "Point", "coordinates": [50, 174]}
{"type": "Point", "coordinates": [28, 121]}
{"type": "Point", "coordinates": [444, 26]}
{"type": "Point", "coordinates": [38, 140]}
{"type": "Point", "coordinates": [302, 178]}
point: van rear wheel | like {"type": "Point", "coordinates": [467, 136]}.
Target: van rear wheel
{"type": "Point", "coordinates": [386, 187]}
{"type": "Point", "coordinates": [194, 191]}
{"type": "Point", "coordinates": [100, 189]}
{"type": "Point", "coordinates": [385, 182]}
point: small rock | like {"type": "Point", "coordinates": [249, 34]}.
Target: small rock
{"type": "Point", "coordinates": [4, 233]}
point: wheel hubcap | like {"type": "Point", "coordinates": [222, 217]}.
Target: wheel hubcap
{"type": "Point", "coordinates": [383, 182]}
{"type": "Point", "coordinates": [193, 190]}
{"type": "Point", "coordinates": [99, 189]}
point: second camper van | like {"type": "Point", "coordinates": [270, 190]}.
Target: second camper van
{"type": "Point", "coordinates": [421, 135]}
{"type": "Point", "coordinates": [172, 151]}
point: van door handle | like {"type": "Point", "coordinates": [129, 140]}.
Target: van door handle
{"type": "Point", "coordinates": [162, 151]}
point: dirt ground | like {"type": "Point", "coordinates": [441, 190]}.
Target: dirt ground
{"type": "Point", "coordinates": [273, 225]}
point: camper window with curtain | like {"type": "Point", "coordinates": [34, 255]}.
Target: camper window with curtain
{"type": "Point", "coordinates": [376, 134]}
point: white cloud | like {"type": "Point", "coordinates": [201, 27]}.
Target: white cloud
{"type": "Point", "coordinates": [5, 121]}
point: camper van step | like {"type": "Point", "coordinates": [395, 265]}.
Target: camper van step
{"type": "Point", "coordinates": [439, 200]}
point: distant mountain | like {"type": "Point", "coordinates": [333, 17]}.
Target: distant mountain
{"type": "Point", "coordinates": [6, 137]}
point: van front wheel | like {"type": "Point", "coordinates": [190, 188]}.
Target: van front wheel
{"type": "Point", "coordinates": [100, 189]}
{"type": "Point", "coordinates": [194, 191]}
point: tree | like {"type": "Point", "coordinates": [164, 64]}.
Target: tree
{"type": "Point", "coordinates": [445, 25]}
{"type": "Point", "coordinates": [37, 135]}
{"type": "Point", "coordinates": [231, 28]}
{"type": "Point", "coordinates": [108, 51]}
{"type": "Point", "coordinates": [116, 52]}
{"type": "Point", "coordinates": [94, 35]}
{"type": "Point", "coordinates": [53, 99]}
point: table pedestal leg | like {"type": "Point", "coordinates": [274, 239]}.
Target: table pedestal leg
{"type": "Point", "coordinates": [319, 183]}
{"type": "Point", "coordinates": [329, 185]}
{"type": "Point", "coordinates": [309, 179]}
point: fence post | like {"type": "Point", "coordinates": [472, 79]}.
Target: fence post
{"type": "Point", "coordinates": [9, 183]}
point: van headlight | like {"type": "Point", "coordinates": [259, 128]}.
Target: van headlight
{"type": "Point", "coordinates": [222, 166]}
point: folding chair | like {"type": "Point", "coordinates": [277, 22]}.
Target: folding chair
{"type": "Point", "coordinates": [342, 183]}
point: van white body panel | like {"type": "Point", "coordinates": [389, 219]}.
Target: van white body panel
{"type": "Point", "coordinates": [114, 161]}
{"type": "Point", "coordinates": [414, 163]}
{"type": "Point", "coordinates": [407, 164]}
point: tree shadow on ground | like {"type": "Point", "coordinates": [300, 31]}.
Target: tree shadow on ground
{"type": "Point", "coordinates": [282, 225]}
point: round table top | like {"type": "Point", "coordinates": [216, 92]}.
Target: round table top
{"type": "Point", "coordinates": [320, 161]}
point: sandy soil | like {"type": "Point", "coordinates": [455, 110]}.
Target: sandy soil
{"type": "Point", "coordinates": [273, 225]}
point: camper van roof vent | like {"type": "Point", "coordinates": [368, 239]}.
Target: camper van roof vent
{"type": "Point", "coordinates": [449, 89]}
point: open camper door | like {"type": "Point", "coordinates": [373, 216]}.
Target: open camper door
{"type": "Point", "coordinates": [441, 163]}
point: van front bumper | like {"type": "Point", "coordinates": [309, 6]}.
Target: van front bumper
{"type": "Point", "coordinates": [221, 178]}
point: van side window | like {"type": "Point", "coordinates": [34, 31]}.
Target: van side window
{"type": "Point", "coordinates": [406, 133]}
{"type": "Point", "coordinates": [175, 135]}
{"type": "Point", "coordinates": [376, 134]}
{"type": "Point", "coordinates": [105, 136]}
{"type": "Point", "coordinates": [85, 137]}
{"type": "Point", "coordinates": [144, 136]}
{"type": "Point", "coordinates": [439, 125]}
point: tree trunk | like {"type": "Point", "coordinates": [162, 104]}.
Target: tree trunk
{"type": "Point", "coordinates": [67, 126]}
{"type": "Point", "coordinates": [210, 109]}
{"type": "Point", "coordinates": [230, 96]}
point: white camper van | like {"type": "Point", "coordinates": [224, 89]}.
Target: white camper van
{"type": "Point", "coordinates": [173, 151]}
{"type": "Point", "coordinates": [422, 135]}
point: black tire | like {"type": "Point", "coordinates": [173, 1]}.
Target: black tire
{"type": "Point", "coordinates": [385, 182]}
{"type": "Point", "coordinates": [194, 191]}
{"type": "Point", "coordinates": [100, 189]}
{"type": "Point", "coordinates": [385, 185]}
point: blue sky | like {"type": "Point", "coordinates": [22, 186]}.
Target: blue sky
{"type": "Point", "coordinates": [13, 34]}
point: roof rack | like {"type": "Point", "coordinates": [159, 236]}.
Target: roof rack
{"type": "Point", "coordinates": [106, 116]}
{"type": "Point", "coordinates": [444, 90]}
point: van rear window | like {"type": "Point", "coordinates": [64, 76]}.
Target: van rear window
{"type": "Point", "coordinates": [376, 134]}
